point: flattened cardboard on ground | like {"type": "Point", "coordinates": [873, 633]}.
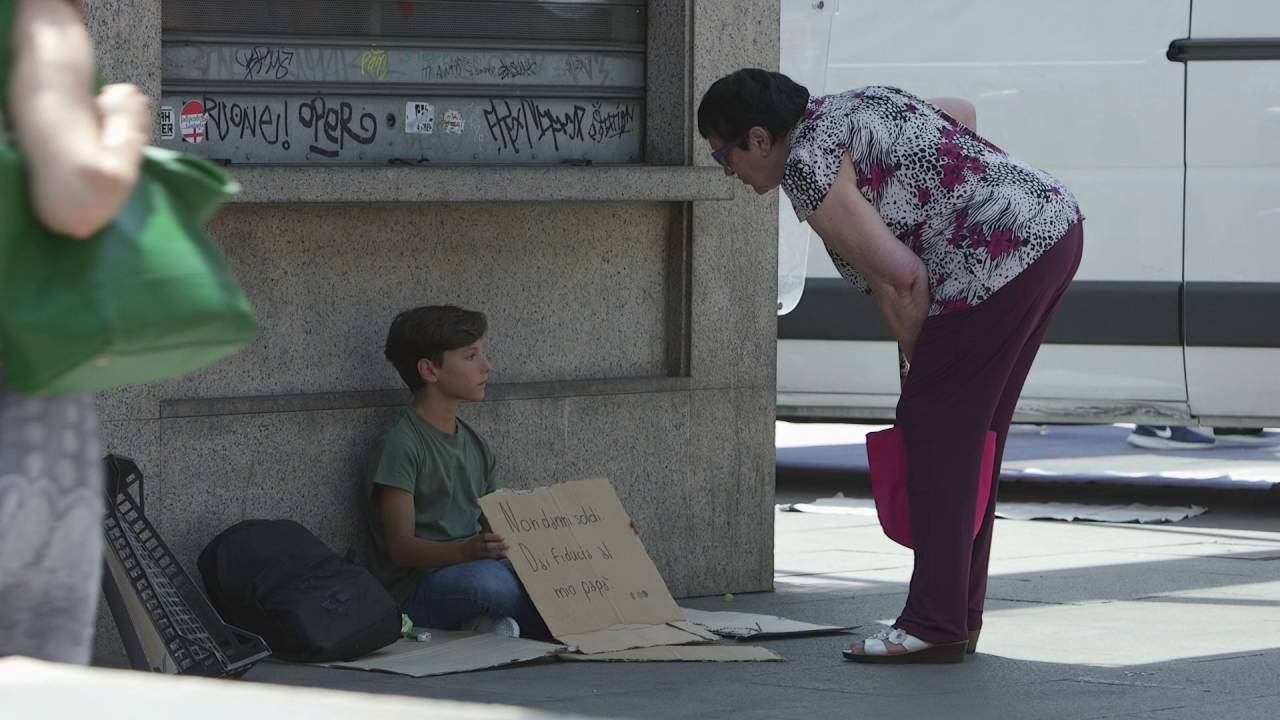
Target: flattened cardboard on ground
{"type": "Point", "coordinates": [586, 570]}
{"type": "Point", "coordinates": [682, 653]}
{"type": "Point", "coordinates": [34, 690]}
{"type": "Point", "coordinates": [743, 626]}
{"type": "Point", "coordinates": [451, 652]}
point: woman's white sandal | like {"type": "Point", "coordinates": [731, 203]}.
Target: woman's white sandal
{"type": "Point", "coordinates": [896, 646]}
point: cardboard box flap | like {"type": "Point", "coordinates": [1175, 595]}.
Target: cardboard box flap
{"type": "Point", "coordinates": [586, 571]}
{"type": "Point", "coordinates": [451, 652]}
{"type": "Point", "coordinates": [749, 625]}
{"type": "Point", "coordinates": [626, 637]}
{"type": "Point", "coordinates": [683, 653]}
{"type": "Point", "coordinates": [695, 629]}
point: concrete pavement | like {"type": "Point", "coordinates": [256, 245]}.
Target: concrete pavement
{"type": "Point", "coordinates": [1166, 622]}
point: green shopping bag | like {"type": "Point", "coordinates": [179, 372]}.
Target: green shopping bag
{"type": "Point", "coordinates": [147, 298]}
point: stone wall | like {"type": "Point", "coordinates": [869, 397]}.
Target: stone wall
{"type": "Point", "coordinates": [633, 335]}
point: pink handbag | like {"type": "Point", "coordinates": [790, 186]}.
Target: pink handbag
{"type": "Point", "coordinates": [887, 457]}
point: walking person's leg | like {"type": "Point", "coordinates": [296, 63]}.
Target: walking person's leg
{"type": "Point", "coordinates": [51, 506]}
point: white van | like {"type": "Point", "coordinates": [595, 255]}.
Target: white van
{"type": "Point", "coordinates": [1163, 116]}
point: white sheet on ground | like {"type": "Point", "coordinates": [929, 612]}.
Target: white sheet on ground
{"type": "Point", "coordinates": [1132, 513]}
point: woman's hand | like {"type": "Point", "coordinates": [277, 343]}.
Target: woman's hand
{"type": "Point", "coordinates": [82, 166]}
{"type": "Point", "coordinates": [904, 308]}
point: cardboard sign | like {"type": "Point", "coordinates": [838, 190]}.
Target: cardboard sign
{"type": "Point", "coordinates": [586, 570]}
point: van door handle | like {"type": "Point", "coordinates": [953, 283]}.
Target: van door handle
{"type": "Point", "coordinates": [1212, 49]}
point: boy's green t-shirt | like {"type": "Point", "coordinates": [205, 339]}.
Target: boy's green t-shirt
{"type": "Point", "coordinates": [447, 475]}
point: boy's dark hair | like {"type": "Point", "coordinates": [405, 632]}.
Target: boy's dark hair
{"type": "Point", "coordinates": [427, 332]}
{"type": "Point", "coordinates": [749, 98]}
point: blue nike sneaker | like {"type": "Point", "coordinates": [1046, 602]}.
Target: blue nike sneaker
{"type": "Point", "coordinates": [1156, 437]}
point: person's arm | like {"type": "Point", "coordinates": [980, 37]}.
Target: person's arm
{"type": "Point", "coordinates": [849, 224]}
{"type": "Point", "coordinates": [84, 152]}
{"type": "Point", "coordinates": [405, 549]}
{"type": "Point", "coordinates": [958, 108]}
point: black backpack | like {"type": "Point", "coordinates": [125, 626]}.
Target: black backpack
{"type": "Point", "coordinates": [276, 579]}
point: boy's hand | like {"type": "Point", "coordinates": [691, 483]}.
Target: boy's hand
{"type": "Point", "coordinates": [485, 546]}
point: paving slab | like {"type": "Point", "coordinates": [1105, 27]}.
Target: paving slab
{"type": "Point", "coordinates": [1263, 707]}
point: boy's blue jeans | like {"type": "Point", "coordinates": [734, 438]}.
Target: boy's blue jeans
{"type": "Point", "coordinates": [450, 596]}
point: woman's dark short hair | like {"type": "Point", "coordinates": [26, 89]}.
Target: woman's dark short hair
{"type": "Point", "coordinates": [428, 332]}
{"type": "Point", "coordinates": [749, 98]}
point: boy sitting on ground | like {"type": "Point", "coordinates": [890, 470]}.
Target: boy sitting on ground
{"type": "Point", "coordinates": [424, 480]}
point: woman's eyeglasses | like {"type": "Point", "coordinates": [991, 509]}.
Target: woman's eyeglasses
{"type": "Point", "coordinates": [721, 155]}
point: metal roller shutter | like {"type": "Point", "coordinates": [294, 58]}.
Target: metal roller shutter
{"type": "Point", "coordinates": [404, 82]}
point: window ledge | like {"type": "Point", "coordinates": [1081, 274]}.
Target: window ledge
{"type": "Point", "coordinates": [510, 183]}
{"type": "Point", "coordinates": [359, 399]}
